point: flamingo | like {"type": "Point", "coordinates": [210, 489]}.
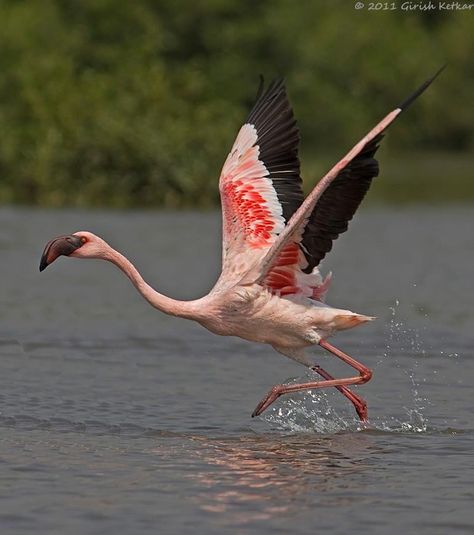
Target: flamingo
{"type": "Point", "coordinates": [270, 289]}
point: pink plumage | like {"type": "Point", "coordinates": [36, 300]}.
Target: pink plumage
{"type": "Point", "coordinates": [270, 289]}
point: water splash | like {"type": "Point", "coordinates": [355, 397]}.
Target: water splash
{"type": "Point", "coordinates": [310, 411]}
{"type": "Point", "coordinates": [404, 340]}
{"type": "Point", "coordinates": [315, 411]}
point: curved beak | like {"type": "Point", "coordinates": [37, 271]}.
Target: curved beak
{"type": "Point", "coordinates": [61, 246]}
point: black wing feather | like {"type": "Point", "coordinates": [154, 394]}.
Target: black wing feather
{"type": "Point", "coordinates": [338, 204]}
{"type": "Point", "coordinates": [278, 140]}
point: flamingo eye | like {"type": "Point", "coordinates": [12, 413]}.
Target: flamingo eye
{"type": "Point", "coordinates": [83, 240]}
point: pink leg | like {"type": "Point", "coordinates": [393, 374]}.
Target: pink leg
{"type": "Point", "coordinates": [359, 403]}
{"type": "Point", "coordinates": [364, 375]}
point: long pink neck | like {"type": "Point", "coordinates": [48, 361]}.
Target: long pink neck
{"type": "Point", "coordinates": [185, 309]}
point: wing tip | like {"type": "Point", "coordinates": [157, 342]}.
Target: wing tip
{"type": "Point", "coordinates": [276, 86]}
{"type": "Point", "coordinates": [404, 105]}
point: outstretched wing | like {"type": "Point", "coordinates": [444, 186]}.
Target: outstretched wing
{"type": "Point", "coordinates": [260, 183]}
{"type": "Point", "coordinates": [338, 204]}
{"type": "Point", "coordinates": [325, 213]}
{"type": "Point", "coordinates": [295, 269]}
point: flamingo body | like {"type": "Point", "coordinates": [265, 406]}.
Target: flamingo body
{"type": "Point", "coordinates": [270, 289]}
{"type": "Point", "coordinates": [257, 315]}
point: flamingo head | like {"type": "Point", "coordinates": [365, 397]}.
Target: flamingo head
{"type": "Point", "coordinates": [79, 245]}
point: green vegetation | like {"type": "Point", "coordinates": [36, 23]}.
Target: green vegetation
{"type": "Point", "coordinates": [427, 177]}
{"type": "Point", "coordinates": [106, 103]}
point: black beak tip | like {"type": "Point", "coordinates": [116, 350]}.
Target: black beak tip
{"type": "Point", "coordinates": [43, 264]}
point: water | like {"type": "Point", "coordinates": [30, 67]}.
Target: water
{"type": "Point", "coordinates": [117, 419]}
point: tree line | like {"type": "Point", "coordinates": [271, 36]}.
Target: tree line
{"type": "Point", "coordinates": [106, 103]}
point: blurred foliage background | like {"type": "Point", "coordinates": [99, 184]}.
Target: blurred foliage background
{"type": "Point", "coordinates": [122, 104]}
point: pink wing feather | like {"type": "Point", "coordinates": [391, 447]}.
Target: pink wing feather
{"type": "Point", "coordinates": [252, 214]}
{"type": "Point", "coordinates": [260, 188]}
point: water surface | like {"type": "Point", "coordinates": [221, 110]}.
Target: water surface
{"type": "Point", "coordinates": [117, 419]}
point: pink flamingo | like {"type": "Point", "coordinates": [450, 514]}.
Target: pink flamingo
{"type": "Point", "coordinates": [270, 289]}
